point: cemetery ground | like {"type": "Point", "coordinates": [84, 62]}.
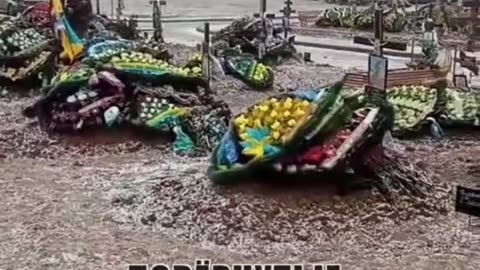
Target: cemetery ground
{"type": "Point", "coordinates": [73, 204]}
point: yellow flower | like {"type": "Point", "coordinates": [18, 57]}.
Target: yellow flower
{"type": "Point", "coordinates": [240, 120]}
{"type": "Point", "coordinates": [292, 123]}
{"type": "Point", "coordinates": [264, 108]}
{"type": "Point", "coordinates": [268, 120]}
{"type": "Point", "coordinates": [305, 104]}
{"type": "Point", "coordinates": [276, 125]}
{"type": "Point", "coordinates": [257, 123]}
{"type": "Point", "coordinates": [274, 100]}
{"type": "Point", "coordinates": [288, 104]}
{"type": "Point", "coordinates": [276, 135]}
{"type": "Point", "coordinates": [242, 128]}
{"type": "Point", "coordinates": [243, 136]}
{"type": "Point", "coordinates": [298, 113]}
{"type": "Point", "coordinates": [276, 105]}
{"type": "Point", "coordinates": [257, 151]}
{"type": "Point", "coordinates": [273, 114]}
{"type": "Point", "coordinates": [286, 114]}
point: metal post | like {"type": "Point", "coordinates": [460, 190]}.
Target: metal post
{"type": "Point", "coordinates": [414, 30]}
{"type": "Point", "coordinates": [263, 37]}
{"type": "Point", "coordinates": [413, 48]}
{"type": "Point", "coordinates": [98, 6]}
{"type": "Point", "coordinates": [263, 6]}
{"type": "Point", "coordinates": [112, 8]}
{"type": "Point", "coordinates": [378, 32]}
{"type": "Point", "coordinates": [455, 65]}
{"type": "Point", "coordinates": [157, 19]}
{"type": "Point", "coordinates": [206, 54]}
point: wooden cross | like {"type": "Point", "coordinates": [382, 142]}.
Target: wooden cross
{"type": "Point", "coordinates": [120, 8]}
{"type": "Point", "coordinates": [206, 54]}
{"type": "Point", "coordinates": [98, 6]}
{"type": "Point", "coordinates": [262, 50]}
{"type": "Point", "coordinates": [157, 19]}
{"type": "Point", "coordinates": [287, 11]}
{"type": "Point", "coordinates": [378, 42]}
{"type": "Point", "coordinates": [473, 20]}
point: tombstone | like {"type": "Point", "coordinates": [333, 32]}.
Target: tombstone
{"type": "Point", "coordinates": [307, 57]}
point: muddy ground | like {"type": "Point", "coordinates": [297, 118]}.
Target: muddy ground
{"type": "Point", "coordinates": [69, 203]}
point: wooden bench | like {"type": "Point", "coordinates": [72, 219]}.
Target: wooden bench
{"type": "Point", "coordinates": [308, 18]}
{"type": "Point", "coordinates": [395, 77]}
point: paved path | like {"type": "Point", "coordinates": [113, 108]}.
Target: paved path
{"type": "Point", "coordinates": [186, 33]}
{"type": "Point", "coordinates": [199, 8]}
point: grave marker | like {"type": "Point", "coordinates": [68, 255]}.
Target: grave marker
{"type": "Point", "coordinates": [377, 73]}
{"type": "Point", "coordinates": [467, 201]}
{"type": "Point", "coordinates": [377, 64]}
{"type": "Point", "coordinates": [98, 6]}
{"type": "Point", "coordinates": [206, 54]}
{"type": "Point", "coordinates": [120, 8]}
{"type": "Point", "coordinates": [286, 11]}
{"type": "Point", "coordinates": [263, 35]}
{"type": "Point", "coordinates": [473, 20]}
{"type": "Point", "coordinates": [157, 19]}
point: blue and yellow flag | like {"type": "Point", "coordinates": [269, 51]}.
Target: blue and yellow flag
{"type": "Point", "coordinates": [72, 45]}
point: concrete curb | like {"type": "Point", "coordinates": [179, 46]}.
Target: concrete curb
{"type": "Point", "coordinates": [145, 19]}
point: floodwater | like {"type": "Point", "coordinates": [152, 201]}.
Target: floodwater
{"type": "Point", "coordinates": [105, 206]}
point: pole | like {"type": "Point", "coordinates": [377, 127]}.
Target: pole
{"type": "Point", "coordinates": [413, 48]}
{"type": "Point", "coordinates": [286, 11]}
{"type": "Point", "coordinates": [455, 65]}
{"type": "Point", "coordinates": [98, 6]}
{"type": "Point", "coordinates": [263, 36]}
{"type": "Point", "coordinates": [119, 9]}
{"type": "Point", "coordinates": [112, 8]}
{"type": "Point", "coordinates": [157, 19]}
{"type": "Point", "coordinates": [414, 30]}
{"type": "Point", "coordinates": [206, 54]}
{"type": "Point", "coordinates": [378, 32]}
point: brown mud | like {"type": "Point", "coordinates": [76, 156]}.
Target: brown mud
{"type": "Point", "coordinates": [84, 204]}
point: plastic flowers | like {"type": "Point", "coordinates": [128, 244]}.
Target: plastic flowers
{"type": "Point", "coordinates": [257, 144]}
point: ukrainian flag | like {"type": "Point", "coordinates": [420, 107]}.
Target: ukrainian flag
{"type": "Point", "coordinates": [72, 45]}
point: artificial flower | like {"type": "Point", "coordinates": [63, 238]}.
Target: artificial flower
{"type": "Point", "coordinates": [257, 144]}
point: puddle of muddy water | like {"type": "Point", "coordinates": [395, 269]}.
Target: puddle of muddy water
{"type": "Point", "coordinates": [99, 137]}
{"type": "Point", "coordinates": [265, 218]}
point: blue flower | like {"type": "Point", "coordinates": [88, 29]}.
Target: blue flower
{"type": "Point", "coordinates": [257, 144]}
